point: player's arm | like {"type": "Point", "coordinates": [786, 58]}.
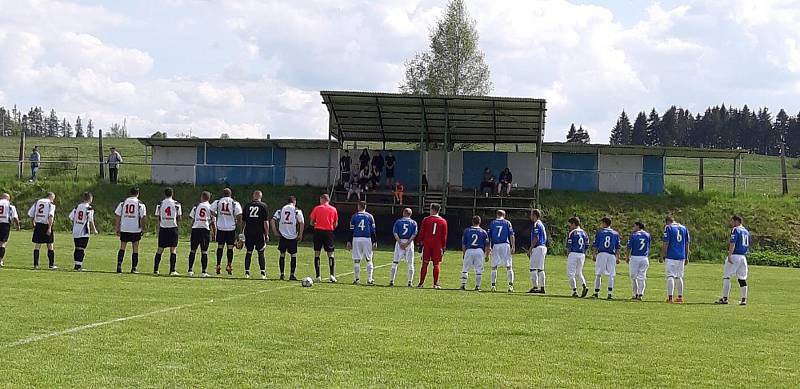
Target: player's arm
{"type": "Point", "coordinates": [16, 221]}
{"type": "Point", "coordinates": [374, 234]}
{"type": "Point", "coordinates": [273, 226]}
{"type": "Point", "coordinates": [513, 244]}
{"type": "Point", "coordinates": [628, 251]}
{"type": "Point", "coordinates": [266, 230]}
{"type": "Point", "coordinates": [51, 219]}
{"type": "Point", "coordinates": [664, 245]}
{"type": "Point", "coordinates": [444, 237]}
{"type": "Point", "coordinates": [92, 226]}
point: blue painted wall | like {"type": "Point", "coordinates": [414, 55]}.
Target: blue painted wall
{"type": "Point", "coordinates": [653, 178]}
{"type": "Point", "coordinates": [476, 161]}
{"type": "Point", "coordinates": [241, 175]}
{"type": "Point", "coordinates": [585, 181]}
{"type": "Point", "coordinates": [407, 168]}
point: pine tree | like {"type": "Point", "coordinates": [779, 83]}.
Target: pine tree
{"type": "Point", "coordinates": [622, 133]}
{"type": "Point", "coordinates": [653, 128]}
{"type": "Point", "coordinates": [639, 131]}
{"type": "Point", "coordinates": [78, 128]}
{"type": "Point", "coordinates": [90, 129]}
{"type": "Point", "coordinates": [52, 123]}
{"type": "Point", "coordinates": [793, 137]}
{"type": "Point", "coordinates": [572, 133]}
{"type": "Point", "coordinates": [578, 136]}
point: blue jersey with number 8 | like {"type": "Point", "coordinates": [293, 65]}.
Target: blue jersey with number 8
{"type": "Point", "coordinates": [607, 241]}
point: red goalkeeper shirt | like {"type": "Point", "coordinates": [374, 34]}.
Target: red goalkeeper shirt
{"type": "Point", "coordinates": [433, 232]}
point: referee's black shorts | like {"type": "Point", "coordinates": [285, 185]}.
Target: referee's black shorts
{"type": "Point", "coordinates": [323, 240]}
{"type": "Point", "coordinates": [289, 245]}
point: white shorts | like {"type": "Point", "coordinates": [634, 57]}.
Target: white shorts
{"type": "Point", "coordinates": [675, 268]}
{"type": "Point", "coordinates": [738, 267]}
{"type": "Point", "coordinates": [638, 268]}
{"type": "Point", "coordinates": [362, 249]}
{"type": "Point", "coordinates": [406, 255]}
{"type": "Point", "coordinates": [537, 257]}
{"type": "Point", "coordinates": [473, 259]}
{"type": "Point", "coordinates": [575, 264]}
{"type": "Point", "coordinates": [501, 255]}
{"type": "Point", "coordinates": [606, 264]}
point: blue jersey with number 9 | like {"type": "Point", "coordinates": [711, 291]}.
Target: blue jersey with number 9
{"type": "Point", "coordinates": [578, 241]}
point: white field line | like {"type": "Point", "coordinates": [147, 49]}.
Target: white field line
{"type": "Point", "coordinates": [37, 338]}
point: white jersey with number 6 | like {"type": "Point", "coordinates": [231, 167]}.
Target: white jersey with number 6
{"type": "Point", "coordinates": [168, 212]}
{"type": "Point", "coordinates": [81, 216]}
{"type": "Point", "coordinates": [288, 218]}
{"type": "Point", "coordinates": [7, 212]}
{"type": "Point", "coordinates": [130, 213]}
{"type": "Point", "coordinates": [42, 210]}
{"type": "Point", "coordinates": [201, 214]}
{"type": "Point", "coordinates": [226, 209]}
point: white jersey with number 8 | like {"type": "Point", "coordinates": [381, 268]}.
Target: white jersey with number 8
{"type": "Point", "coordinates": [130, 212]}
{"type": "Point", "coordinates": [81, 216]}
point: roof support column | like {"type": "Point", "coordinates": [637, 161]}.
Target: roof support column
{"type": "Point", "coordinates": [539, 158]}
{"type": "Point", "coordinates": [446, 164]}
{"type": "Point", "coordinates": [330, 153]}
{"type": "Point", "coordinates": [423, 157]}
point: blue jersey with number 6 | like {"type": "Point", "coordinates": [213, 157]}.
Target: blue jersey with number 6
{"type": "Point", "coordinates": [475, 238]}
{"type": "Point", "coordinates": [578, 241]}
{"type": "Point", "coordinates": [607, 241]}
{"type": "Point", "coordinates": [405, 228]}
{"type": "Point", "coordinates": [639, 244]}
{"type": "Point", "coordinates": [363, 225]}
{"type": "Point", "coordinates": [676, 237]}
{"type": "Point", "coordinates": [740, 237]}
{"type": "Point", "coordinates": [501, 231]}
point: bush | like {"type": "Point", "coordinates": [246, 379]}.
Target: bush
{"type": "Point", "coordinates": [771, 258]}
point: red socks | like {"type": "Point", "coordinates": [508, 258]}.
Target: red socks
{"type": "Point", "coordinates": [436, 269]}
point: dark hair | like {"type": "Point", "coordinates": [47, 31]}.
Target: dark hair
{"type": "Point", "coordinates": [291, 199]}
{"type": "Point", "coordinates": [227, 192]}
{"type": "Point", "coordinates": [169, 192]}
{"type": "Point", "coordinates": [537, 213]}
{"type": "Point", "coordinates": [736, 218]}
{"type": "Point", "coordinates": [87, 196]}
{"type": "Point", "coordinates": [205, 195]}
{"type": "Point", "coordinates": [436, 207]}
{"type": "Point", "coordinates": [669, 219]}
{"type": "Point", "coordinates": [362, 205]}
{"type": "Point", "coordinates": [575, 220]}
{"type": "Point", "coordinates": [476, 220]}
{"type": "Point", "coordinates": [639, 224]}
{"type": "Point", "coordinates": [606, 220]}
{"type": "Point", "coordinates": [135, 191]}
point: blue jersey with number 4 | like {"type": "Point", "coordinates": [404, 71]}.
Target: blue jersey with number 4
{"type": "Point", "coordinates": [607, 241]}
{"type": "Point", "coordinates": [740, 237]}
{"type": "Point", "coordinates": [676, 237]}
{"type": "Point", "coordinates": [475, 238]}
{"type": "Point", "coordinates": [639, 244]}
{"type": "Point", "coordinates": [405, 228]}
{"type": "Point", "coordinates": [363, 225]}
{"type": "Point", "coordinates": [501, 231]}
{"type": "Point", "coordinates": [578, 241]}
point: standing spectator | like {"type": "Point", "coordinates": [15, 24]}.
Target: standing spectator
{"type": "Point", "coordinates": [487, 182]}
{"type": "Point", "coordinates": [344, 166]}
{"type": "Point", "coordinates": [377, 169]}
{"type": "Point", "coordinates": [505, 182]}
{"type": "Point", "coordinates": [424, 181]}
{"type": "Point", "coordinates": [390, 163]}
{"type": "Point", "coordinates": [114, 159]}
{"type": "Point", "coordinates": [363, 160]}
{"type": "Point", "coordinates": [34, 158]}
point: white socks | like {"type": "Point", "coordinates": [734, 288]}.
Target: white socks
{"type": "Point", "coordinates": [679, 285]}
{"type": "Point", "coordinates": [726, 287]}
{"type": "Point", "coordinates": [478, 277]}
{"type": "Point", "coordinates": [494, 276]}
{"type": "Point", "coordinates": [572, 283]}
{"type": "Point", "coordinates": [541, 278]}
{"type": "Point", "coordinates": [642, 284]}
{"type": "Point", "coordinates": [370, 271]}
{"type": "Point", "coordinates": [411, 272]}
{"type": "Point", "coordinates": [464, 277]}
{"type": "Point", "coordinates": [597, 279]}
{"type": "Point", "coordinates": [357, 270]}
{"type": "Point", "coordinates": [743, 291]}
{"type": "Point", "coordinates": [393, 272]}
{"type": "Point", "coordinates": [510, 275]}
{"type": "Point", "coordinates": [670, 286]}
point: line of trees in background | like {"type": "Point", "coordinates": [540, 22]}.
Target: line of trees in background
{"type": "Point", "coordinates": [41, 124]}
{"type": "Point", "coordinates": [719, 127]}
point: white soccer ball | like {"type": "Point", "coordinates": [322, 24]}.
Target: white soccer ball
{"type": "Point", "coordinates": [307, 282]}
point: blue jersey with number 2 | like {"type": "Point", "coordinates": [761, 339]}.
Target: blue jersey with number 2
{"type": "Point", "coordinates": [475, 238]}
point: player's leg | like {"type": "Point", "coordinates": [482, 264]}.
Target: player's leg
{"type": "Point", "coordinates": [395, 262]}
{"type": "Point", "coordinates": [581, 277]}
{"type": "Point", "coordinates": [540, 266]}
{"type": "Point", "coordinates": [293, 260]}
{"type": "Point", "coordinates": [2, 253]}
{"type": "Point", "coordinates": [643, 266]}
{"type": "Point", "coordinates": [599, 267]}
{"type": "Point", "coordinates": [262, 261]}
{"type": "Point", "coordinates": [329, 249]}
{"type": "Point", "coordinates": [611, 270]}
{"type": "Point", "coordinates": [437, 269]}
{"type": "Point", "coordinates": [317, 263]}
{"type": "Point", "coordinates": [123, 245]}
{"type": "Point", "coordinates": [670, 280]}
{"type": "Point", "coordinates": [410, 261]}
{"type": "Point", "coordinates": [357, 257]}
{"type": "Point", "coordinates": [572, 266]}
{"type": "Point", "coordinates": [370, 264]}
{"type": "Point", "coordinates": [479, 271]}
{"type": "Point", "coordinates": [465, 270]}
{"type": "Point", "coordinates": [135, 254]}
{"type": "Point", "coordinates": [679, 283]}
{"type": "Point", "coordinates": [632, 273]}
{"type": "Point", "coordinates": [173, 261]}
{"type": "Point", "coordinates": [423, 272]}
{"type": "Point", "coordinates": [157, 259]}
{"type": "Point", "coordinates": [229, 257]}
{"type": "Point", "coordinates": [741, 274]}
{"type": "Point", "coordinates": [219, 252]}
{"type": "Point", "coordinates": [248, 258]}
{"type": "Point", "coordinates": [79, 252]}
{"type": "Point", "coordinates": [51, 255]}
{"type": "Point", "coordinates": [510, 269]}
{"type": "Point", "coordinates": [194, 243]}
{"type": "Point", "coordinates": [204, 243]}
{"type": "Point", "coordinates": [36, 248]}
{"type": "Point", "coordinates": [282, 245]}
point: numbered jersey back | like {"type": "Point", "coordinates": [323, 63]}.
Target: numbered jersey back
{"type": "Point", "coordinates": [41, 211]}
{"type": "Point", "coordinates": [168, 212]}
{"type": "Point", "coordinates": [201, 215]}
{"type": "Point", "coordinates": [130, 212]}
{"type": "Point", "coordinates": [81, 216]}
{"type": "Point", "coordinates": [254, 216]}
{"type": "Point", "coordinates": [226, 210]}
{"type": "Point", "coordinates": [287, 219]}
{"type": "Point", "coordinates": [7, 212]}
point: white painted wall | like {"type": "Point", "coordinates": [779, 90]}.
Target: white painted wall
{"type": "Point", "coordinates": [620, 173]}
{"type": "Point", "coordinates": [523, 167]}
{"type": "Point", "coordinates": [456, 168]}
{"type": "Point", "coordinates": [314, 166]}
{"type": "Point", "coordinates": [173, 174]}
{"type": "Point", "coordinates": [436, 168]}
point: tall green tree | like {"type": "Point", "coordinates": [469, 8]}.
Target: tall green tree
{"type": "Point", "coordinates": [454, 65]}
{"type": "Point", "coordinates": [653, 128]}
{"type": "Point", "coordinates": [90, 129]}
{"type": "Point", "coordinates": [78, 128]}
{"type": "Point", "coordinates": [639, 131]}
{"type": "Point", "coordinates": [622, 132]}
{"type": "Point", "coordinates": [579, 135]}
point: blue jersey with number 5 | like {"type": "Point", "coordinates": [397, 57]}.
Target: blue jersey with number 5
{"type": "Point", "coordinates": [676, 237]}
{"type": "Point", "coordinates": [475, 238]}
{"type": "Point", "coordinates": [405, 228]}
{"type": "Point", "coordinates": [501, 231]}
{"type": "Point", "coordinates": [607, 241]}
{"type": "Point", "coordinates": [578, 241]}
{"type": "Point", "coordinates": [639, 244]}
{"type": "Point", "coordinates": [363, 225]}
{"type": "Point", "coordinates": [740, 237]}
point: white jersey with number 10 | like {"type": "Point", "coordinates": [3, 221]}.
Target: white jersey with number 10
{"type": "Point", "coordinates": [130, 212]}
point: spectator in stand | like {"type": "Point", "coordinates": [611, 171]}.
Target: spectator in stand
{"type": "Point", "coordinates": [377, 169]}
{"type": "Point", "coordinates": [505, 182]}
{"type": "Point", "coordinates": [363, 160]}
{"type": "Point", "coordinates": [363, 179]}
{"type": "Point", "coordinates": [399, 190]}
{"type": "Point", "coordinates": [353, 186]}
{"type": "Point", "coordinates": [424, 181]}
{"type": "Point", "coordinates": [390, 163]}
{"type": "Point", "coordinates": [114, 159]}
{"type": "Point", "coordinates": [487, 182]}
{"type": "Point", "coordinates": [344, 167]}
{"type": "Point", "coordinates": [35, 158]}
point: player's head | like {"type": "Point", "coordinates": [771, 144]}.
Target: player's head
{"type": "Point", "coordinates": [435, 208]}
{"type": "Point", "coordinates": [574, 222]}
{"type": "Point", "coordinates": [87, 197]}
{"type": "Point", "coordinates": [325, 199]}
{"type": "Point", "coordinates": [605, 222]}
{"type": "Point", "coordinates": [407, 212]}
{"type": "Point", "coordinates": [134, 192]}
{"type": "Point", "coordinates": [113, 149]}
{"type": "Point", "coordinates": [347, 152]}
{"type": "Point", "coordinates": [51, 196]}
{"type": "Point", "coordinates": [5, 196]}
{"type": "Point", "coordinates": [362, 206]}
{"type": "Point", "coordinates": [476, 221]}
{"type": "Point", "coordinates": [500, 213]}
{"type": "Point", "coordinates": [205, 196]}
{"type": "Point", "coordinates": [227, 192]}
{"type": "Point", "coordinates": [257, 195]}
{"type": "Point", "coordinates": [669, 219]}
{"type": "Point", "coordinates": [736, 220]}
{"type": "Point", "coordinates": [291, 200]}
{"type": "Point", "coordinates": [536, 214]}
{"type": "Point", "coordinates": [638, 225]}
{"type": "Point", "coordinates": [169, 192]}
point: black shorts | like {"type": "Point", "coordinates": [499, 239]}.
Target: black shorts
{"type": "Point", "coordinates": [5, 231]}
{"type": "Point", "coordinates": [390, 173]}
{"type": "Point", "coordinates": [289, 245]}
{"type": "Point", "coordinates": [226, 237]}
{"type": "Point", "coordinates": [81, 243]}
{"type": "Point", "coordinates": [40, 234]}
{"type": "Point", "coordinates": [323, 240]}
{"type": "Point", "coordinates": [130, 237]}
{"type": "Point", "coordinates": [200, 237]}
{"type": "Point", "coordinates": [254, 242]}
{"type": "Point", "coordinates": [167, 237]}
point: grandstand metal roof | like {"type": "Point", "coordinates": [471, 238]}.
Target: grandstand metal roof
{"type": "Point", "coordinates": [686, 152]}
{"type": "Point", "coordinates": [239, 143]}
{"type": "Point", "coordinates": [393, 117]}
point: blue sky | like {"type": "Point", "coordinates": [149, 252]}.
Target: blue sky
{"type": "Point", "coordinates": [250, 67]}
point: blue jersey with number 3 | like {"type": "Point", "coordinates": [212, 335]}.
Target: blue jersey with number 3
{"type": "Point", "coordinates": [501, 231]}
{"type": "Point", "coordinates": [740, 237]}
{"type": "Point", "coordinates": [405, 228]}
{"type": "Point", "coordinates": [363, 225]}
{"type": "Point", "coordinates": [607, 241]}
{"type": "Point", "coordinates": [676, 237]}
{"type": "Point", "coordinates": [578, 241]}
{"type": "Point", "coordinates": [639, 244]}
{"type": "Point", "coordinates": [475, 238]}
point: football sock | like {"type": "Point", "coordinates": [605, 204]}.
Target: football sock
{"type": "Point", "coordinates": [120, 257]}
{"type": "Point", "coordinates": [134, 261]}
{"type": "Point", "coordinates": [679, 285]}
{"type": "Point", "coordinates": [247, 259]}
{"type": "Point", "coordinates": [726, 287]}
{"type": "Point", "coordinates": [173, 261]}
{"type": "Point", "coordinates": [411, 272]}
{"type": "Point", "coordinates": [316, 266]}
{"type": "Point", "coordinates": [464, 277]}
{"type": "Point", "coordinates": [282, 263]}
{"type": "Point", "coordinates": [743, 291]}
{"type": "Point", "coordinates": [478, 277]}
{"type": "Point", "coordinates": [423, 273]}
{"type": "Point", "coordinates": [75, 256]}
{"type": "Point", "coordinates": [541, 279]}
{"type": "Point", "coordinates": [510, 276]}
{"type": "Point", "coordinates": [393, 272]}
{"type": "Point", "coordinates": [436, 270]}
{"type": "Point", "coordinates": [573, 284]}
{"type": "Point", "coordinates": [219, 256]}
{"type": "Point", "coordinates": [191, 260]}
{"type": "Point", "coordinates": [670, 286]}
{"type": "Point", "coordinates": [51, 258]}
{"type": "Point", "coordinates": [35, 257]}
{"type": "Point", "coordinates": [534, 279]}
{"type": "Point", "coordinates": [204, 261]}
{"type": "Point", "coordinates": [357, 269]}
{"type": "Point", "coordinates": [634, 287]}
{"type": "Point", "coordinates": [293, 264]}
{"type": "Point", "coordinates": [370, 270]}
{"type": "Point", "coordinates": [494, 276]}
{"type": "Point", "coordinates": [582, 278]}
{"type": "Point", "coordinates": [597, 280]}
{"type": "Point", "coordinates": [230, 256]}
{"type": "Point", "coordinates": [262, 262]}
{"type": "Point", "coordinates": [332, 265]}
{"type": "Point", "coordinates": [610, 283]}
{"type": "Point", "coordinates": [2, 252]}
{"type": "Point", "coordinates": [156, 262]}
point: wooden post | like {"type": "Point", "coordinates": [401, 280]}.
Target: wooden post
{"type": "Point", "coordinates": [701, 183]}
{"type": "Point", "coordinates": [735, 160]}
{"type": "Point", "coordinates": [330, 153]}
{"type": "Point", "coordinates": [100, 153]}
{"type": "Point", "coordinates": [446, 162]}
{"type": "Point", "coordinates": [21, 167]}
{"type": "Point", "coordinates": [784, 177]}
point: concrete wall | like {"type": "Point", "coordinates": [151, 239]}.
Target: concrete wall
{"type": "Point", "coordinates": [620, 173]}
{"type": "Point", "coordinates": [314, 167]}
{"type": "Point", "coordinates": [174, 174]}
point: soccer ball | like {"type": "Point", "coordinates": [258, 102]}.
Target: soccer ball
{"type": "Point", "coordinates": [307, 282]}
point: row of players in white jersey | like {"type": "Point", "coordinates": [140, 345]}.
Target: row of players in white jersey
{"type": "Point", "coordinates": [218, 221]}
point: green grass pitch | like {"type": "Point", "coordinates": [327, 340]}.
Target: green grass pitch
{"type": "Point", "coordinates": [99, 329]}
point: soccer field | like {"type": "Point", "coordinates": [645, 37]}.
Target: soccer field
{"type": "Point", "coordinates": [100, 329]}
